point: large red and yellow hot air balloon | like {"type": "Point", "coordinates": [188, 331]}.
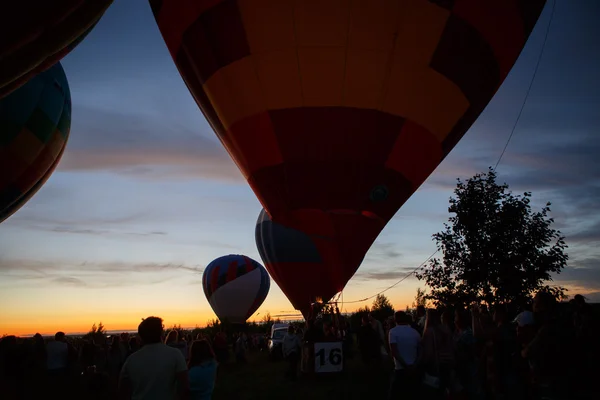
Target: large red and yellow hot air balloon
{"type": "Point", "coordinates": [336, 111]}
{"type": "Point", "coordinates": [36, 34]}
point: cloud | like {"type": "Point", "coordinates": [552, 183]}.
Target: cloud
{"type": "Point", "coordinates": [553, 154]}
{"type": "Point", "coordinates": [382, 274]}
{"type": "Point", "coordinates": [69, 281]}
{"type": "Point", "coordinates": [592, 297]}
{"type": "Point", "coordinates": [144, 146]}
{"type": "Point", "coordinates": [67, 221]}
{"type": "Point", "coordinates": [110, 226]}
{"type": "Point", "coordinates": [61, 229]}
{"type": "Point", "coordinates": [588, 235]}
{"type": "Point", "coordinates": [382, 252]}
{"type": "Point", "coordinates": [90, 274]}
{"type": "Point", "coordinates": [539, 163]}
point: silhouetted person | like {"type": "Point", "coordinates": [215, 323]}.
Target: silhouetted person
{"type": "Point", "coordinates": [447, 319]}
{"type": "Point", "coordinates": [467, 363]}
{"type": "Point", "coordinates": [378, 328]}
{"type": "Point", "coordinates": [133, 345]}
{"type": "Point", "coordinates": [57, 352]}
{"type": "Point", "coordinates": [57, 362]}
{"type": "Point", "coordinates": [420, 318]}
{"type": "Point", "coordinates": [291, 347]}
{"type": "Point", "coordinates": [368, 341]}
{"type": "Point", "coordinates": [505, 346]}
{"type": "Point", "coordinates": [38, 354]}
{"type": "Point", "coordinates": [10, 356]}
{"type": "Point", "coordinates": [437, 357]}
{"type": "Point", "coordinates": [88, 353]}
{"type": "Point", "coordinates": [549, 350]}
{"type": "Point", "coordinates": [404, 347]}
{"type": "Point", "coordinates": [156, 371]}
{"type": "Point", "coordinates": [11, 366]}
{"type": "Point", "coordinates": [221, 347]}
{"type": "Point", "coordinates": [173, 340]}
{"type": "Point", "coordinates": [312, 334]}
{"type": "Point", "coordinates": [241, 346]}
{"type": "Point", "coordinates": [202, 370]}
{"type": "Point", "coordinates": [115, 358]}
{"type": "Point", "coordinates": [125, 343]}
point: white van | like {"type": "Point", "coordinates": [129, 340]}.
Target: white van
{"type": "Point", "coordinates": [278, 331]}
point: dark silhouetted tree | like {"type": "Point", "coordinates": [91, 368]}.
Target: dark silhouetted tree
{"type": "Point", "coordinates": [420, 299]}
{"type": "Point", "coordinates": [266, 319]}
{"type": "Point", "coordinates": [495, 248]}
{"type": "Point", "coordinates": [97, 333]}
{"type": "Point", "coordinates": [382, 308]}
{"type": "Point", "coordinates": [267, 322]}
{"type": "Point", "coordinates": [356, 317]}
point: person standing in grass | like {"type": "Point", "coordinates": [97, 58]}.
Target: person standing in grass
{"type": "Point", "coordinates": [291, 351]}
{"type": "Point", "coordinates": [404, 348]}
{"type": "Point", "coordinates": [156, 371]}
{"type": "Point", "coordinates": [202, 368]}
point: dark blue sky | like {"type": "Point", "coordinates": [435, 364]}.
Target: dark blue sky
{"type": "Point", "coordinates": [145, 192]}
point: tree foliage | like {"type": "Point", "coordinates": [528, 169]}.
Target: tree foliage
{"type": "Point", "coordinates": [356, 317]}
{"type": "Point", "coordinates": [420, 299]}
{"type": "Point", "coordinates": [382, 308]}
{"type": "Point", "coordinates": [495, 248]}
{"type": "Point", "coordinates": [97, 333]}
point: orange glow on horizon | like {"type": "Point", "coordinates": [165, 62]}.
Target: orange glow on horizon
{"type": "Point", "coordinates": [128, 320]}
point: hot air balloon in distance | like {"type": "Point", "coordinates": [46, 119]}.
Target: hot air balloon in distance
{"type": "Point", "coordinates": [35, 121]}
{"type": "Point", "coordinates": [337, 111]}
{"type": "Point", "coordinates": [235, 286]}
{"type": "Point", "coordinates": [36, 34]}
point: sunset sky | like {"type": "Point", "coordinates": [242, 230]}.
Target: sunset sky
{"type": "Point", "coordinates": [146, 196]}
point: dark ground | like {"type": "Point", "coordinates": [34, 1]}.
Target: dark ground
{"type": "Point", "coordinates": [260, 378]}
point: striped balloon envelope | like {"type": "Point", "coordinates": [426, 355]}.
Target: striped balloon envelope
{"type": "Point", "coordinates": [35, 121]}
{"type": "Point", "coordinates": [235, 286]}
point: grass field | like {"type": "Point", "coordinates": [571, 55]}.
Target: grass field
{"type": "Point", "coordinates": [260, 378]}
{"type": "Point", "coordinates": [263, 379]}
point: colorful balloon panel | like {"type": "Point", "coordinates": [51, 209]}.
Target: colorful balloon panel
{"type": "Point", "coordinates": [337, 111]}
{"type": "Point", "coordinates": [35, 121]}
{"type": "Point", "coordinates": [235, 286]}
{"type": "Point", "coordinates": [36, 34]}
{"type": "Point", "coordinates": [309, 261]}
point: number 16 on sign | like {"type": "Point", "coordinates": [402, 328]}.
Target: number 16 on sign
{"type": "Point", "coordinates": [328, 357]}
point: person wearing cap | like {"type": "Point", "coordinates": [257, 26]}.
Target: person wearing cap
{"type": "Point", "coordinates": [525, 323]}
{"type": "Point", "coordinates": [525, 327]}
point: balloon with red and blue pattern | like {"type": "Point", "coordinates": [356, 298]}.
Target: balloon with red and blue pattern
{"type": "Point", "coordinates": [235, 286]}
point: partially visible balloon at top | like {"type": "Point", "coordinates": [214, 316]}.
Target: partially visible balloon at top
{"type": "Point", "coordinates": [35, 121]}
{"type": "Point", "coordinates": [337, 111]}
{"type": "Point", "coordinates": [36, 34]}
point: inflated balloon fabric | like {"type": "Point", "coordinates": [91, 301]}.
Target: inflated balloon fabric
{"type": "Point", "coordinates": [235, 286]}
{"type": "Point", "coordinates": [36, 34]}
{"type": "Point", "coordinates": [35, 121]}
{"type": "Point", "coordinates": [337, 111]}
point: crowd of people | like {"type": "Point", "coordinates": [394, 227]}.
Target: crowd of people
{"type": "Point", "coordinates": [480, 354]}
{"type": "Point", "coordinates": [151, 365]}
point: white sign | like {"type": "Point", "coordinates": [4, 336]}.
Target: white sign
{"type": "Point", "coordinates": [328, 357]}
